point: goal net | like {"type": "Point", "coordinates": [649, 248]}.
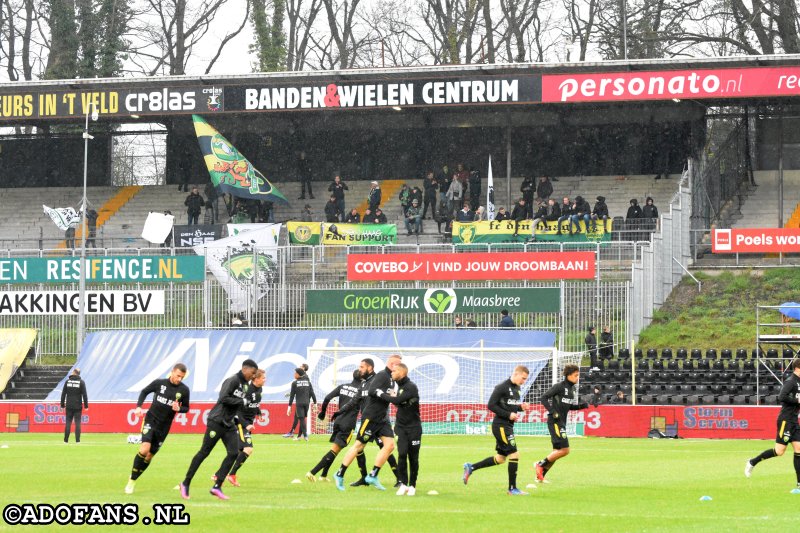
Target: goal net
{"type": "Point", "coordinates": [455, 383]}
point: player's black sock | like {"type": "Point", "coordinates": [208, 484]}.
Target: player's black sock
{"type": "Point", "coordinates": [240, 459]}
{"type": "Point", "coordinates": [139, 466]}
{"type": "Point", "coordinates": [325, 463]}
{"type": "Point", "coordinates": [362, 464]}
{"type": "Point", "coordinates": [374, 471]}
{"type": "Point", "coordinates": [513, 465]}
{"type": "Point", "coordinates": [766, 454]}
{"type": "Point", "coordinates": [544, 463]}
{"type": "Point", "coordinates": [489, 461]}
{"type": "Point", "coordinates": [797, 466]}
{"type": "Point", "coordinates": [341, 471]}
{"type": "Point", "coordinates": [393, 465]}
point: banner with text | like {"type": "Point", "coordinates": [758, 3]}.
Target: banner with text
{"type": "Point", "coordinates": [506, 231]}
{"type": "Point", "coordinates": [755, 240]}
{"type": "Point", "coordinates": [111, 269]}
{"type": "Point", "coordinates": [668, 84]}
{"type": "Point", "coordinates": [350, 234]}
{"type": "Point", "coordinates": [187, 236]}
{"type": "Point", "coordinates": [94, 303]}
{"type": "Point", "coordinates": [304, 232]}
{"type": "Point", "coordinates": [434, 301]}
{"type": "Point", "coordinates": [471, 266]}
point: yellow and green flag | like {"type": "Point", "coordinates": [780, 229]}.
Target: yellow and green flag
{"type": "Point", "coordinates": [230, 171]}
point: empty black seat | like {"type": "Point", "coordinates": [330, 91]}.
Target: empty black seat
{"type": "Point", "coordinates": [741, 353]}
{"type": "Point", "coordinates": [643, 365]}
{"type": "Point", "coordinates": [700, 389]}
{"type": "Point", "coordinates": [666, 353]}
{"type": "Point", "coordinates": [733, 366]}
{"type": "Point", "coordinates": [788, 353]}
{"type": "Point", "coordinates": [772, 353]}
{"type": "Point", "coordinates": [764, 390]}
{"type": "Point", "coordinates": [603, 376]}
{"type": "Point", "coordinates": [650, 377]}
{"type": "Point", "coordinates": [673, 365]}
{"type": "Point", "coordinates": [757, 353]}
{"type": "Point", "coordinates": [772, 399]}
{"type": "Point", "coordinates": [626, 364]}
{"type": "Point", "coordinates": [711, 354]}
{"type": "Point", "coordinates": [688, 365]}
{"type": "Point", "coordinates": [658, 364]}
{"type": "Point", "coordinates": [718, 365]}
{"type": "Point", "coordinates": [707, 399]}
{"type": "Point", "coordinates": [749, 366]}
{"type": "Point", "coordinates": [663, 399]}
{"type": "Point", "coordinates": [740, 399]}
{"type": "Point", "coordinates": [724, 399]}
{"type": "Point", "coordinates": [726, 354]}
{"type": "Point", "coordinates": [671, 389]}
{"type": "Point", "coordinates": [613, 364]}
{"type": "Point", "coordinates": [626, 388]}
{"type": "Point", "coordinates": [741, 378]}
{"type": "Point", "coordinates": [697, 353]}
{"type": "Point", "coordinates": [693, 377]}
{"type": "Point", "coordinates": [693, 399]}
{"type": "Point", "coordinates": [716, 389]}
{"type": "Point", "coordinates": [681, 354]}
{"type": "Point", "coordinates": [624, 353]}
{"type": "Point", "coordinates": [637, 353]}
{"type": "Point", "coordinates": [620, 376]}
{"type": "Point", "coordinates": [703, 365]}
{"type": "Point", "coordinates": [652, 353]}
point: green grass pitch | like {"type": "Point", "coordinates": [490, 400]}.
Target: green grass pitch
{"type": "Point", "coordinates": [604, 485]}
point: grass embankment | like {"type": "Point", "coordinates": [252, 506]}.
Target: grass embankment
{"type": "Point", "coordinates": [723, 314]}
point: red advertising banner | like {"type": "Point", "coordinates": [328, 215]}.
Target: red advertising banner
{"type": "Point", "coordinates": [669, 84]}
{"type": "Point", "coordinates": [755, 240]}
{"type": "Point", "coordinates": [471, 266]}
{"type": "Point", "coordinates": [48, 417]}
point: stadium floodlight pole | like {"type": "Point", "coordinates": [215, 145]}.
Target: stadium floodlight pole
{"type": "Point", "coordinates": [82, 280]}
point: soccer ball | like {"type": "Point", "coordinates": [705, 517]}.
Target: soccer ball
{"type": "Point", "coordinates": [134, 439]}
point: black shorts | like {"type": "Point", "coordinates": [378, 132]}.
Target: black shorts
{"type": "Point", "coordinates": [245, 437]}
{"type": "Point", "coordinates": [370, 430]}
{"type": "Point", "coordinates": [788, 431]}
{"type": "Point", "coordinates": [558, 434]}
{"type": "Point", "coordinates": [301, 411]}
{"type": "Point", "coordinates": [505, 442]}
{"type": "Point", "coordinates": [341, 436]}
{"type": "Point", "coordinates": [154, 433]}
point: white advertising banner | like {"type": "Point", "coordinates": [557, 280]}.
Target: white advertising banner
{"type": "Point", "coordinates": [95, 303]}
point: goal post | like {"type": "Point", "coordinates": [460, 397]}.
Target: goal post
{"type": "Point", "coordinates": [455, 383]}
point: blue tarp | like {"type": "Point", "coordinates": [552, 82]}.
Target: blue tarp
{"type": "Point", "coordinates": [117, 365]}
{"type": "Point", "coordinates": [790, 309]}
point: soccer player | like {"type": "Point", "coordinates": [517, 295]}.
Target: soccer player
{"type": "Point", "coordinates": [374, 425]}
{"type": "Point", "coordinates": [559, 401]}
{"type": "Point", "coordinates": [248, 413]}
{"type": "Point", "coordinates": [505, 402]}
{"type": "Point", "coordinates": [343, 426]}
{"type": "Point", "coordinates": [170, 396]}
{"type": "Point", "coordinates": [788, 428]}
{"type": "Point", "coordinates": [222, 424]}
{"type": "Point", "coordinates": [303, 393]}
{"type": "Point", "coordinates": [407, 427]}
{"type": "Point", "coordinates": [74, 400]}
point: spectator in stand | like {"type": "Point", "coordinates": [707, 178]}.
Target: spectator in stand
{"type": "Point", "coordinates": [444, 179]}
{"type": "Point", "coordinates": [194, 205]}
{"type": "Point", "coordinates": [501, 214]}
{"type": "Point", "coordinates": [374, 196]}
{"type": "Point", "coordinates": [431, 188]}
{"type": "Point", "coordinates": [600, 212]}
{"type": "Point", "coordinates": [91, 222]}
{"type": "Point", "coordinates": [633, 220]}
{"type": "Point", "coordinates": [544, 189]}
{"type": "Point", "coordinates": [541, 212]}
{"type": "Point", "coordinates": [552, 213]}
{"type": "Point", "coordinates": [597, 396]}
{"type": "Point", "coordinates": [462, 175]}
{"type": "Point", "coordinates": [457, 322]}
{"type": "Point", "coordinates": [634, 211]}
{"type": "Point", "coordinates": [252, 206]}
{"type": "Point", "coordinates": [505, 320]}
{"type": "Point", "coordinates": [266, 211]}
{"type": "Point", "coordinates": [474, 189]}
{"type": "Point", "coordinates": [405, 198]}
{"type": "Point", "coordinates": [619, 397]}
{"type": "Point", "coordinates": [566, 214]}
{"type": "Point", "coordinates": [591, 345]}
{"type": "Point", "coordinates": [650, 215]}
{"type": "Point", "coordinates": [304, 175]}
{"type": "Point", "coordinates": [444, 218]}
{"type": "Point", "coordinates": [415, 194]}
{"type": "Point", "coordinates": [208, 214]}
{"type": "Point", "coordinates": [519, 214]}
{"type": "Point", "coordinates": [480, 214]}
{"type": "Point", "coordinates": [368, 218]}
{"type": "Point", "coordinates": [528, 189]}
{"type": "Point", "coordinates": [353, 217]}
{"type": "Point", "coordinates": [413, 218]}
{"type": "Point", "coordinates": [337, 188]}
{"type": "Point", "coordinates": [213, 197]}
{"type": "Point", "coordinates": [466, 214]}
{"type": "Point", "coordinates": [332, 213]}
{"type": "Point", "coordinates": [455, 195]}
{"type": "Point", "coordinates": [471, 323]}
{"type": "Point", "coordinates": [606, 350]}
{"type": "Point", "coordinates": [580, 211]}
{"type": "Point", "coordinates": [307, 215]}
{"type": "Point", "coordinates": [379, 217]}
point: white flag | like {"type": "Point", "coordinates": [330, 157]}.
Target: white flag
{"type": "Point", "coordinates": [246, 264]}
{"type": "Point", "coordinates": [157, 227]}
{"type": "Point", "coordinates": [490, 194]}
{"type": "Point", "coordinates": [63, 217]}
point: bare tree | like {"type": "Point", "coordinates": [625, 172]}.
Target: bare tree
{"type": "Point", "coordinates": [581, 18]}
{"type": "Point", "coordinates": [301, 16]}
{"type": "Point", "coordinates": [343, 43]}
{"type": "Point", "coordinates": [521, 17]}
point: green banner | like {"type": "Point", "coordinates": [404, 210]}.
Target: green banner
{"type": "Point", "coordinates": [112, 269]}
{"type": "Point", "coordinates": [303, 232]}
{"type": "Point", "coordinates": [506, 231]}
{"type": "Point", "coordinates": [350, 234]}
{"type": "Point", "coordinates": [434, 301]}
